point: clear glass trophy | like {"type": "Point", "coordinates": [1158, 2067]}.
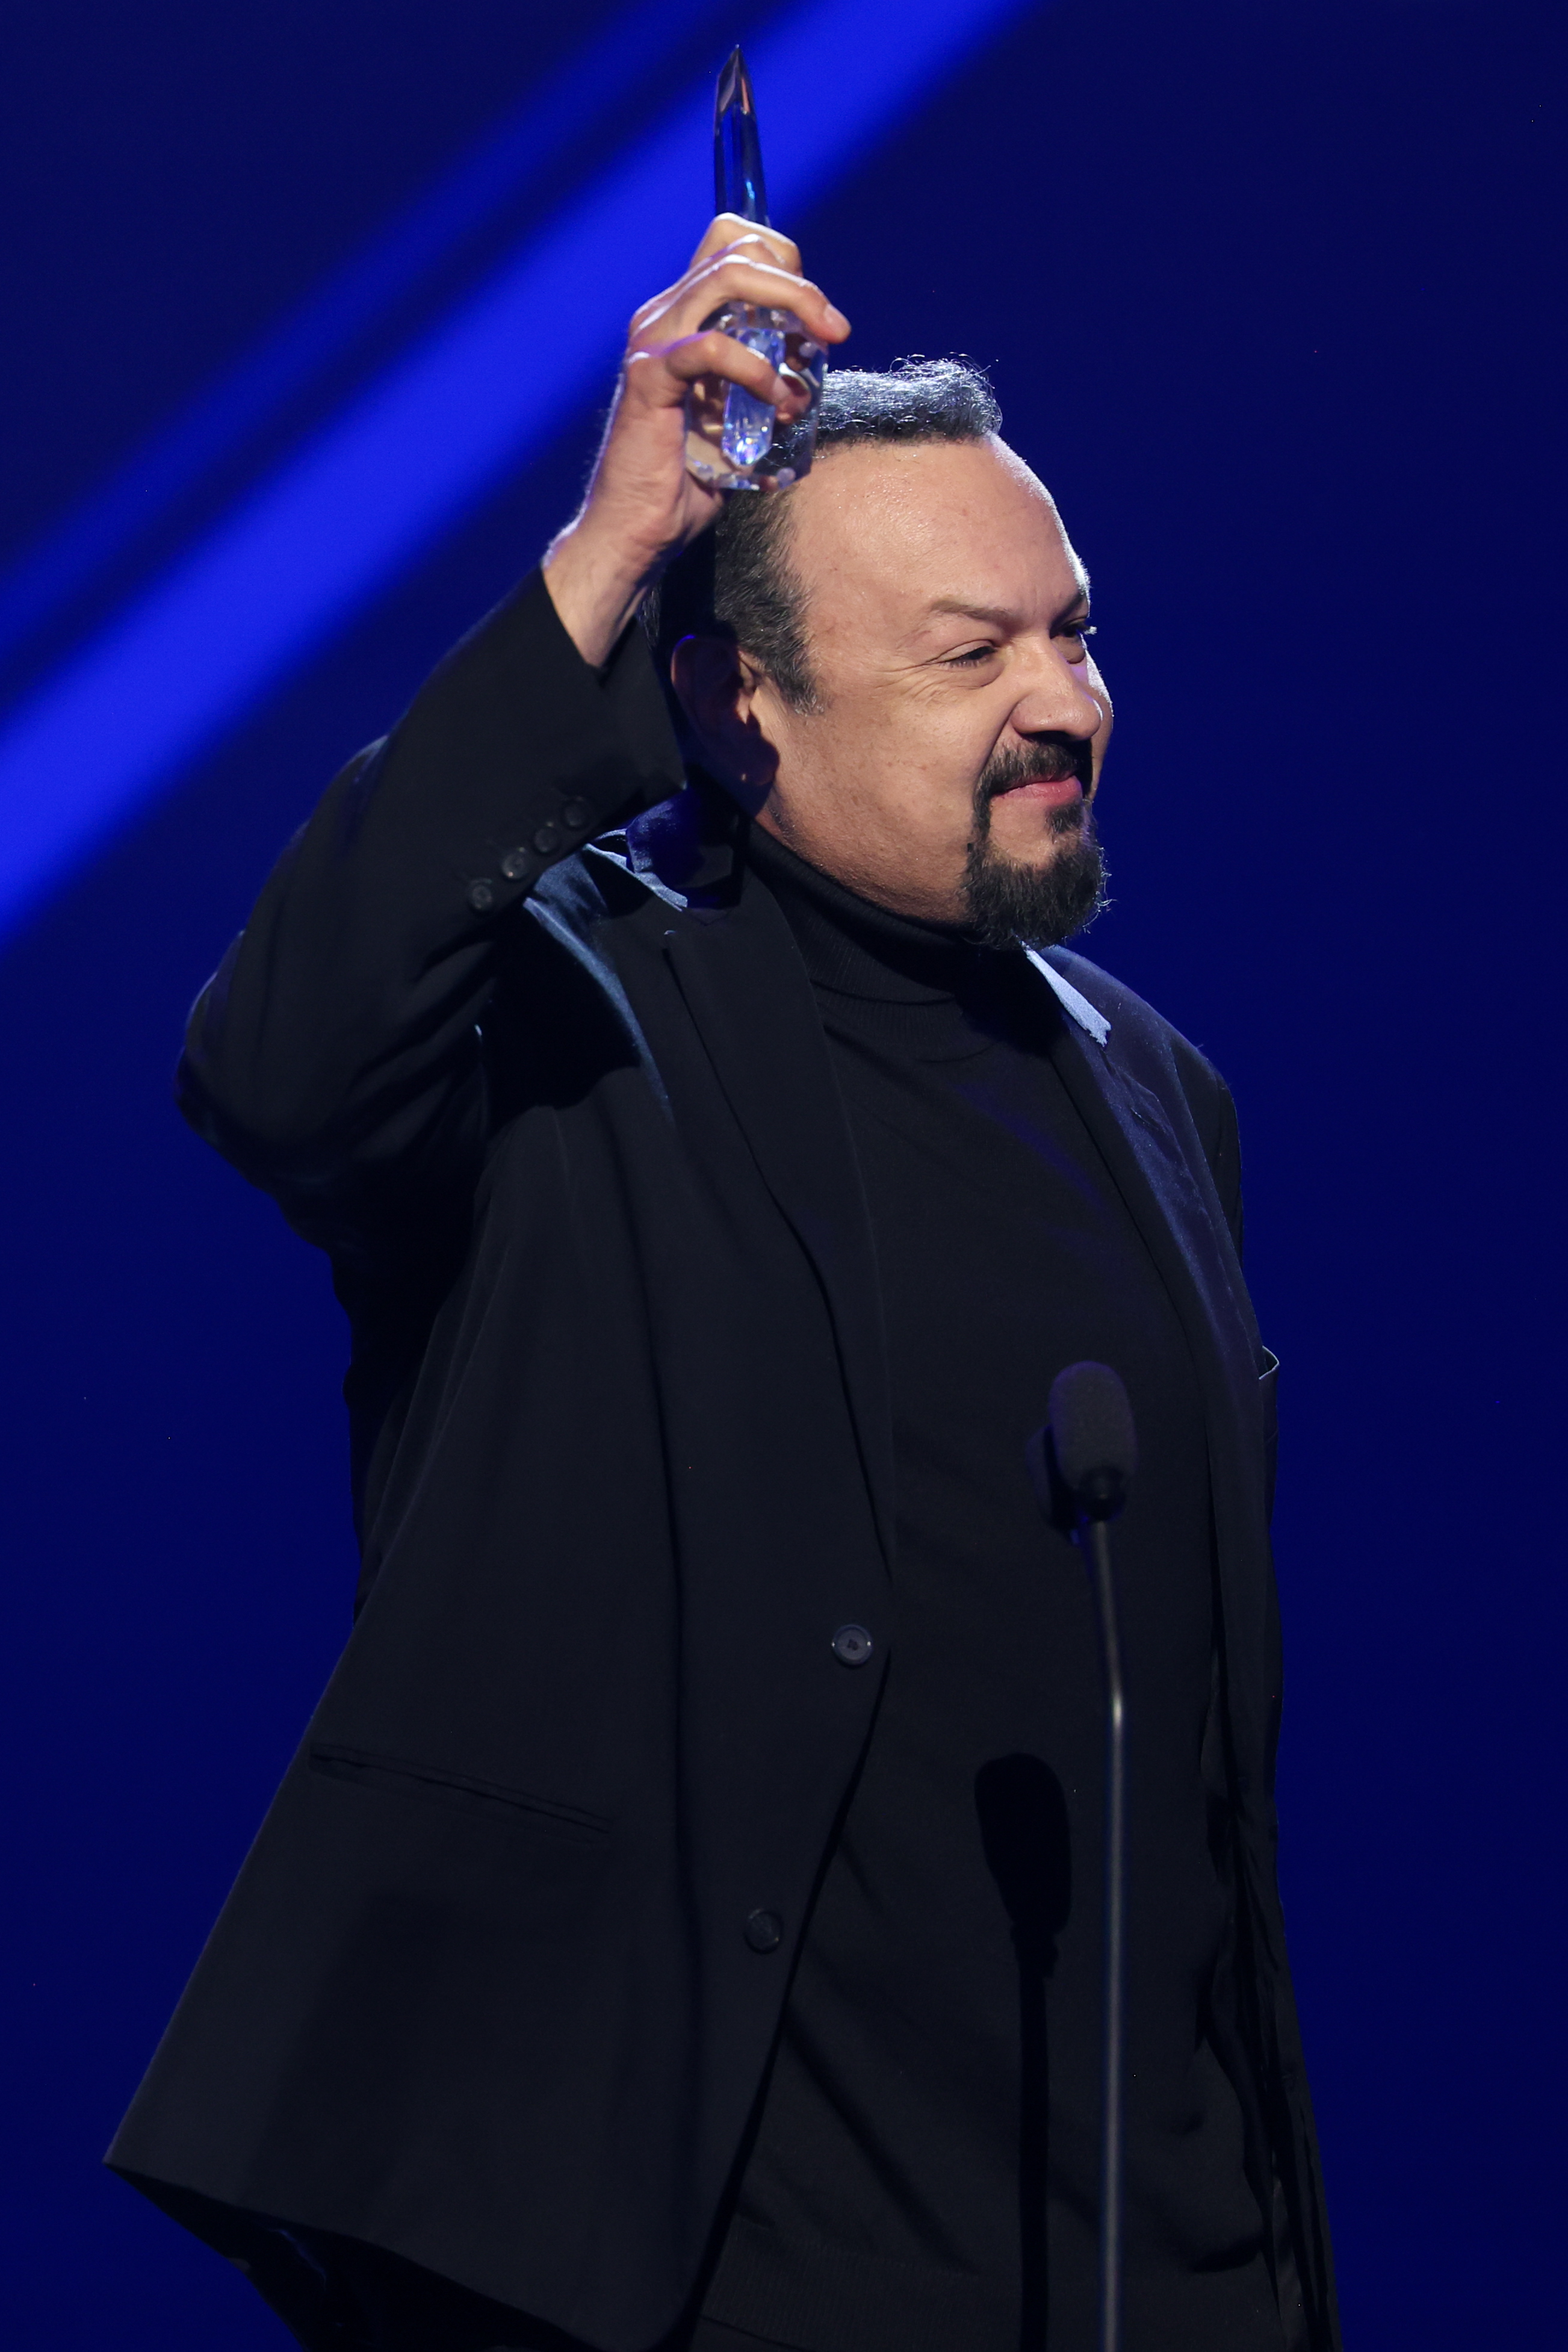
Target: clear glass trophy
{"type": "Point", "coordinates": [733, 439]}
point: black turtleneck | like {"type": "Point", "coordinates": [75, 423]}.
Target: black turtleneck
{"type": "Point", "coordinates": [924, 2175]}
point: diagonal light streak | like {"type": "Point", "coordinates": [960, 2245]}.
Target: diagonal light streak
{"type": "Point", "coordinates": [511, 163]}
{"type": "Point", "coordinates": [438, 430]}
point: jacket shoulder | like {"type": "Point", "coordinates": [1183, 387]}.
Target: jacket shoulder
{"type": "Point", "coordinates": [1133, 1014]}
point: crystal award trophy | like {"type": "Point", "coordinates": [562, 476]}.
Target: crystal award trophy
{"type": "Point", "coordinates": [731, 440]}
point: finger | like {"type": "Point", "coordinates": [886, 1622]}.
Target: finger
{"type": "Point", "coordinates": [786, 284]}
{"type": "Point", "coordinates": [728, 229]}
{"type": "Point", "coordinates": [729, 276]}
{"type": "Point", "coordinates": [726, 281]}
{"type": "Point", "coordinates": [661, 376]}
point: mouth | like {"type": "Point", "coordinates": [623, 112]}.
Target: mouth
{"type": "Point", "coordinates": [1045, 791]}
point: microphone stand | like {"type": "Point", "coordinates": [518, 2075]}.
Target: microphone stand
{"type": "Point", "coordinates": [1081, 1465]}
{"type": "Point", "coordinates": [1094, 1538]}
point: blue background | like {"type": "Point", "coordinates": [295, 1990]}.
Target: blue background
{"type": "Point", "coordinates": [1273, 294]}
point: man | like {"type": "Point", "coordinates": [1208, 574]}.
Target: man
{"type": "Point", "coordinates": [679, 1924]}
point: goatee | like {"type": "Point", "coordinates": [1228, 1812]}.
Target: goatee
{"type": "Point", "coordinates": [1010, 904]}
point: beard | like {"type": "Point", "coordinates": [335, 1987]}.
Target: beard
{"type": "Point", "coordinates": [1013, 904]}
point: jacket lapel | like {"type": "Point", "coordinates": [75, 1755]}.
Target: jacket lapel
{"type": "Point", "coordinates": [1162, 1179]}
{"type": "Point", "coordinates": [746, 989]}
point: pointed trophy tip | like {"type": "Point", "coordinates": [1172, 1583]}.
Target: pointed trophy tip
{"type": "Point", "coordinates": [738, 184]}
{"type": "Point", "coordinates": [734, 87]}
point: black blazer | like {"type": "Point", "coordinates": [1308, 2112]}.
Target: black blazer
{"type": "Point", "coordinates": [483, 1993]}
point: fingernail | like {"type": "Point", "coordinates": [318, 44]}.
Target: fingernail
{"type": "Point", "coordinates": [837, 318]}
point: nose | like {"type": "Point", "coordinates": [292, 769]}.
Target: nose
{"type": "Point", "coordinates": [1057, 698]}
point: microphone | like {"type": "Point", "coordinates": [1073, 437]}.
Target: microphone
{"type": "Point", "coordinates": [1081, 1465]}
{"type": "Point", "coordinates": [1085, 1457]}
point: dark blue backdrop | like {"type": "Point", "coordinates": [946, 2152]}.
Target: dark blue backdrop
{"type": "Point", "coordinates": [1272, 293]}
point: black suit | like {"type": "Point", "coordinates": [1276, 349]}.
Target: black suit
{"type": "Point", "coordinates": [498, 1981]}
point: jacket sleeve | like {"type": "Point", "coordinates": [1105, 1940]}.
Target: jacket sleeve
{"type": "Point", "coordinates": [335, 1057]}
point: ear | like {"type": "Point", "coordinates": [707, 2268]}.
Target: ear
{"type": "Point", "coordinates": [716, 687]}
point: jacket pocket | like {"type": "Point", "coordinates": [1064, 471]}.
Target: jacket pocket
{"type": "Point", "coordinates": [481, 1799]}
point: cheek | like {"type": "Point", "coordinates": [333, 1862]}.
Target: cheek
{"type": "Point", "coordinates": [919, 748]}
{"type": "Point", "coordinates": [940, 754]}
{"type": "Point", "coordinates": [899, 763]}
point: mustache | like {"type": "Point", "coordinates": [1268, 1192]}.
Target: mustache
{"type": "Point", "coordinates": [1051, 759]}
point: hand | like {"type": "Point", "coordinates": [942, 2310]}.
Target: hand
{"type": "Point", "coordinates": [643, 506]}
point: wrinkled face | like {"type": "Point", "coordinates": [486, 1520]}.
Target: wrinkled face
{"type": "Point", "coordinates": [959, 719]}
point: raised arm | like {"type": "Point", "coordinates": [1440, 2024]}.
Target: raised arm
{"type": "Point", "coordinates": [335, 1057]}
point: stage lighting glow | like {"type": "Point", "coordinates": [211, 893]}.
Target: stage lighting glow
{"type": "Point", "coordinates": [430, 437]}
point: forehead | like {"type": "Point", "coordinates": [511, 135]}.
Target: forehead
{"type": "Point", "coordinates": [881, 532]}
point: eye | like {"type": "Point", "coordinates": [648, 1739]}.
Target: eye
{"type": "Point", "coordinates": [970, 658]}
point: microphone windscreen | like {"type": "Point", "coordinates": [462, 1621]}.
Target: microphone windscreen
{"type": "Point", "coordinates": [1092, 1429]}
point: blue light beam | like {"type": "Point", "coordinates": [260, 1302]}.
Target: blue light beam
{"type": "Point", "coordinates": [512, 163]}
{"type": "Point", "coordinates": [319, 537]}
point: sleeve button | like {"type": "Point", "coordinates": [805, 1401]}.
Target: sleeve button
{"type": "Point", "coordinates": [853, 1646]}
{"type": "Point", "coordinates": [481, 897]}
{"type": "Point", "coordinates": [574, 816]}
{"type": "Point", "coordinates": [514, 865]}
{"type": "Point", "coordinates": [546, 838]}
{"type": "Point", "coordinates": [763, 1931]}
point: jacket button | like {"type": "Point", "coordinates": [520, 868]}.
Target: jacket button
{"type": "Point", "coordinates": [516, 864]}
{"type": "Point", "coordinates": [853, 1646]}
{"type": "Point", "coordinates": [481, 897]}
{"type": "Point", "coordinates": [575, 814]}
{"type": "Point", "coordinates": [546, 838]}
{"type": "Point", "coordinates": [765, 1931]}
